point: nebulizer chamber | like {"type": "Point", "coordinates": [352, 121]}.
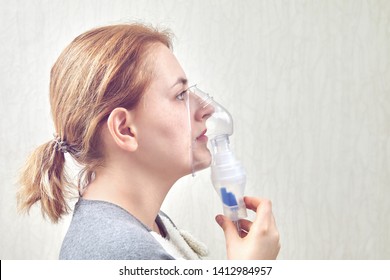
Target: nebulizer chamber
{"type": "Point", "coordinates": [227, 173]}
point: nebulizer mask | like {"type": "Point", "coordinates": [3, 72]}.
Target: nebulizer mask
{"type": "Point", "coordinates": [227, 173]}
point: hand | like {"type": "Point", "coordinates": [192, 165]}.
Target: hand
{"type": "Point", "coordinates": [258, 240]}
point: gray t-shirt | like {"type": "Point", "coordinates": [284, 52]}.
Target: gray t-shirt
{"type": "Point", "coordinates": [101, 230]}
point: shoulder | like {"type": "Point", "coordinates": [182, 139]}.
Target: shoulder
{"type": "Point", "coordinates": [101, 230]}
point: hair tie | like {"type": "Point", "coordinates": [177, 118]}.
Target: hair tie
{"type": "Point", "coordinates": [61, 145]}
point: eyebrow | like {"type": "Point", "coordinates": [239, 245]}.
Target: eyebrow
{"type": "Point", "coordinates": [180, 80]}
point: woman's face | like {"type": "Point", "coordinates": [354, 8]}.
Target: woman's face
{"type": "Point", "coordinates": [166, 130]}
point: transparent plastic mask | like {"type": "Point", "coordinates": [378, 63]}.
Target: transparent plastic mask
{"type": "Point", "coordinates": [220, 122]}
{"type": "Point", "coordinates": [208, 121]}
{"type": "Point", "coordinates": [211, 126]}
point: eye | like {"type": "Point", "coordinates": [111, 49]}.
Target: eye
{"type": "Point", "coordinates": [181, 95]}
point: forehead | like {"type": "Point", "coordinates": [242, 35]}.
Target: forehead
{"type": "Point", "coordinates": [166, 68]}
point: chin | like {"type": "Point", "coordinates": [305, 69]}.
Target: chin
{"type": "Point", "coordinates": [203, 162]}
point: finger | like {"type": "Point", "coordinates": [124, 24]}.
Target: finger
{"type": "Point", "coordinates": [253, 203]}
{"type": "Point", "coordinates": [228, 227]}
{"type": "Point", "coordinates": [264, 213]}
{"type": "Point", "coordinates": [264, 217]}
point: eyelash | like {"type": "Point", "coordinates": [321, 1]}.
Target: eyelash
{"type": "Point", "coordinates": [180, 96]}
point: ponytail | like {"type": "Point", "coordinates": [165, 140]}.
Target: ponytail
{"type": "Point", "coordinates": [43, 179]}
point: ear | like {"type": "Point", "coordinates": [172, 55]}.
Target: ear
{"type": "Point", "coordinates": [122, 130]}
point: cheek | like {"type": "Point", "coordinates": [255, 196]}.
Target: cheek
{"type": "Point", "coordinates": [178, 131]}
{"type": "Point", "coordinates": [171, 129]}
{"type": "Point", "coordinates": [175, 123]}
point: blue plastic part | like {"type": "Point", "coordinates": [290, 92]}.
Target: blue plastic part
{"type": "Point", "coordinates": [228, 198]}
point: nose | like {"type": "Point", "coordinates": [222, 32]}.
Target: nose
{"type": "Point", "coordinates": [202, 104]}
{"type": "Point", "coordinates": [204, 112]}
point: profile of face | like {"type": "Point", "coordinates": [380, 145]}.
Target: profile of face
{"type": "Point", "coordinates": [171, 137]}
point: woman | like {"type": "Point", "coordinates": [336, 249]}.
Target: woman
{"type": "Point", "coordinates": [117, 95]}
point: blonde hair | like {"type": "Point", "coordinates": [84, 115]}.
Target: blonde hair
{"type": "Point", "coordinates": [102, 69]}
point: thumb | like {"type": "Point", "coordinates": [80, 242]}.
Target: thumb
{"type": "Point", "coordinates": [227, 226]}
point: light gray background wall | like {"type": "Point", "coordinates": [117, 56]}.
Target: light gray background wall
{"type": "Point", "coordinates": [308, 84]}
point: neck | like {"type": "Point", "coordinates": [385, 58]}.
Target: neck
{"type": "Point", "coordinates": [137, 191]}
